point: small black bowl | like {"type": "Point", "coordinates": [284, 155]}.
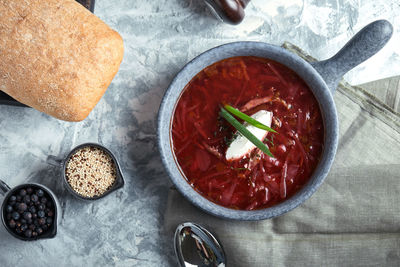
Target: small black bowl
{"type": "Point", "coordinates": [62, 163]}
{"type": "Point", "coordinates": [8, 192]}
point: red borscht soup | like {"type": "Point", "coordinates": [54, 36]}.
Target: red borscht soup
{"type": "Point", "coordinates": [201, 137]}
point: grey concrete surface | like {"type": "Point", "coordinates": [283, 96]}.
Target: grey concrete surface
{"type": "Point", "coordinates": [125, 228]}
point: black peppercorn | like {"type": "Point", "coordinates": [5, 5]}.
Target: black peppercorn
{"type": "Point", "coordinates": [27, 199]}
{"type": "Point", "coordinates": [24, 227]}
{"type": "Point", "coordinates": [15, 215]}
{"type": "Point", "coordinates": [42, 221]}
{"type": "Point", "coordinates": [12, 224]}
{"type": "Point", "coordinates": [41, 214]}
{"type": "Point", "coordinates": [27, 215]}
{"type": "Point", "coordinates": [9, 208]}
{"type": "Point", "coordinates": [22, 207]}
{"type": "Point", "coordinates": [28, 233]}
{"type": "Point", "coordinates": [13, 199]}
{"type": "Point", "coordinates": [39, 230]}
{"type": "Point", "coordinates": [49, 221]}
{"type": "Point", "coordinates": [22, 192]}
{"type": "Point", "coordinates": [32, 209]}
{"type": "Point", "coordinates": [40, 193]}
{"type": "Point", "coordinates": [34, 198]}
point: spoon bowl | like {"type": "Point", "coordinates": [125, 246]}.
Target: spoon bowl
{"type": "Point", "coordinates": [196, 246]}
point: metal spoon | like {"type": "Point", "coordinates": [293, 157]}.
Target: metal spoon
{"type": "Point", "coordinates": [196, 246]}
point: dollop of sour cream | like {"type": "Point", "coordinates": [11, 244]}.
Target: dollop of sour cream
{"type": "Point", "coordinates": [241, 146]}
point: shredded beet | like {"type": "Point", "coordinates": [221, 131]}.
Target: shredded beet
{"type": "Point", "coordinates": [200, 130]}
{"type": "Point", "coordinates": [244, 87]}
{"type": "Point", "coordinates": [183, 147]}
{"type": "Point", "coordinates": [213, 151]}
{"type": "Point", "coordinates": [278, 74]}
{"type": "Point", "coordinates": [281, 101]}
{"type": "Point", "coordinates": [255, 102]}
{"type": "Point", "coordinates": [203, 160]}
{"type": "Point", "coordinates": [283, 181]}
{"type": "Point", "coordinates": [228, 193]}
{"type": "Point", "coordinates": [244, 69]}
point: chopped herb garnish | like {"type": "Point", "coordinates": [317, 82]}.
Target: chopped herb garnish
{"type": "Point", "coordinates": [248, 119]}
{"type": "Point", "coordinates": [229, 141]}
{"type": "Point", "coordinates": [246, 133]}
{"type": "Point", "coordinates": [270, 141]}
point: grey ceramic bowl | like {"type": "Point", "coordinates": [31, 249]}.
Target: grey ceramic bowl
{"type": "Point", "coordinates": [322, 78]}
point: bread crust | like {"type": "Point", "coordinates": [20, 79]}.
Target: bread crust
{"type": "Point", "coordinates": [56, 56]}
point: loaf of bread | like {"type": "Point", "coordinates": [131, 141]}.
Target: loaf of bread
{"type": "Point", "coordinates": [56, 56]}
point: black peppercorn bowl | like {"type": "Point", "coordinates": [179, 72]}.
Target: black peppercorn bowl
{"type": "Point", "coordinates": [8, 192]}
{"type": "Point", "coordinates": [62, 164]}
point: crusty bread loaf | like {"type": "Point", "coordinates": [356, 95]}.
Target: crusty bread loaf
{"type": "Point", "coordinates": [56, 56]}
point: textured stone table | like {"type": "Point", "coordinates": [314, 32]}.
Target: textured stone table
{"type": "Point", "coordinates": [125, 228]}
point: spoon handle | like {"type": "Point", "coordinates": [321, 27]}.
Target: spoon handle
{"type": "Point", "coordinates": [54, 161]}
{"type": "Point", "coordinates": [366, 43]}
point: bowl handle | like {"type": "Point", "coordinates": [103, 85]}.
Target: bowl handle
{"type": "Point", "coordinates": [54, 161]}
{"type": "Point", "coordinates": [4, 188]}
{"type": "Point", "coordinates": [362, 46]}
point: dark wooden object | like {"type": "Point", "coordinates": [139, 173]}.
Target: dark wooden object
{"type": "Point", "coordinates": [229, 11]}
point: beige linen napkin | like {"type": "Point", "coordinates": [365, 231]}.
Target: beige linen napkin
{"type": "Point", "coordinates": [352, 220]}
{"type": "Point", "coordinates": [386, 90]}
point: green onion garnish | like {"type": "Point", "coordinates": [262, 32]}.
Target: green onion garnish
{"type": "Point", "coordinates": [246, 133]}
{"type": "Point", "coordinates": [248, 119]}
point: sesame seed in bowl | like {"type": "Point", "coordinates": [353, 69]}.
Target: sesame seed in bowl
{"type": "Point", "coordinates": [90, 172]}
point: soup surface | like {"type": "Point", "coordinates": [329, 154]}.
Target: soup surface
{"type": "Point", "coordinates": [201, 137]}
